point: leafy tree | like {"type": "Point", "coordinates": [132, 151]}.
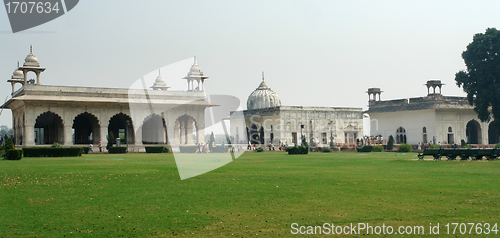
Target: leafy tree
{"type": "Point", "coordinates": [9, 145]}
{"type": "Point", "coordinates": [481, 80]}
{"type": "Point", "coordinates": [111, 139]}
{"type": "Point", "coordinates": [210, 143]}
{"type": "Point", "coordinates": [390, 143]}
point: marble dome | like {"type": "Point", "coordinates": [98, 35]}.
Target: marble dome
{"type": "Point", "coordinates": [263, 97]}
{"type": "Point", "coordinates": [31, 60]}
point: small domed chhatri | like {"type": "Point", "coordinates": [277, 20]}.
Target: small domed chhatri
{"type": "Point", "coordinates": [160, 83]}
{"type": "Point", "coordinates": [31, 60]}
{"type": "Point", "coordinates": [263, 97]}
{"type": "Point", "coordinates": [18, 74]}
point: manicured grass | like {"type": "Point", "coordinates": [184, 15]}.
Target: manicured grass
{"type": "Point", "coordinates": [259, 193]}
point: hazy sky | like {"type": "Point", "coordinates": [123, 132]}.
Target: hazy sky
{"type": "Point", "coordinates": [314, 53]}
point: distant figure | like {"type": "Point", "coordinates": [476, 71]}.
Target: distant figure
{"type": "Point", "coordinates": [91, 148]}
{"type": "Point", "coordinates": [223, 146]}
{"type": "Point", "coordinates": [249, 146]}
{"type": "Point", "coordinates": [21, 140]}
{"type": "Point", "coordinates": [100, 146]}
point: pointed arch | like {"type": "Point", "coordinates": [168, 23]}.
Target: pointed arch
{"type": "Point", "coordinates": [86, 129]}
{"type": "Point", "coordinates": [473, 132]}
{"type": "Point", "coordinates": [154, 130]}
{"type": "Point", "coordinates": [119, 124]}
{"type": "Point", "coordinates": [49, 128]}
{"type": "Point", "coordinates": [185, 128]}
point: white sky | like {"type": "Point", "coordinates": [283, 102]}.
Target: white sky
{"type": "Point", "coordinates": [314, 53]}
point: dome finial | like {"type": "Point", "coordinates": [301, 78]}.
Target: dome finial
{"type": "Point", "coordinates": [195, 59]}
{"type": "Point", "coordinates": [31, 49]}
{"type": "Point", "coordinates": [262, 76]}
{"type": "Point", "coordinates": [159, 72]}
{"type": "Point", "coordinates": [18, 64]}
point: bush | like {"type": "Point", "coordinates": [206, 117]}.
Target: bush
{"type": "Point", "coordinates": [9, 145]}
{"type": "Point", "coordinates": [156, 149]}
{"type": "Point", "coordinates": [378, 148]}
{"type": "Point", "coordinates": [219, 149]}
{"type": "Point", "coordinates": [259, 149]}
{"type": "Point", "coordinates": [117, 150]}
{"type": "Point", "coordinates": [390, 143]}
{"type": "Point", "coordinates": [463, 143]}
{"type": "Point", "coordinates": [434, 146]}
{"type": "Point", "coordinates": [497, 146]}
{"type": "Point", "coordinates": [14, 154]}
{"type": "Point", "coordinates": [86, 150]}
{"type": "Point", "coordinates": [298, 150]}
{"type": "Point", "coordinates": [111, 139]}
{"type": "Point", "coordinates": [326, 150]}
{"type": "Point", "coordinates": [188, 149]}
{"type": "Point", "coordinates": [52, 152]}
{"type": "Point", "coordinates": [404, 148]}
{"type": "Point", "coordinates": [466, 147]}
{"type": "Point", "coordinates": [365, 148]}
{"type": "Point", "coordinates": [56, 145]}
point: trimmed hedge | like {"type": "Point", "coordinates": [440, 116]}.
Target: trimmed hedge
{"type": "Point", "coordinates": [404, 148]}
{"type": "Point", "coordinates": [366, 148]}
{"type": "Point", "coordinates": [378, 148]}
{"type": "Point", "coordinates": [298, 150]}
{"type": "Point", "coordinates": [117, 150]}
{"type": "Point", "coordinates": [188, 149]}
{"type": "Point", "coordinates": [326, 150]}
{"type": "Point", "coordinates": [86, 150]}
{"type": "Point", "coordinates": [259, 149]}
{"type": "Point", "coordinates": [52, 152]}
{"type": "Point", "coordinates": [156, 149]}
{"type": "Point", "coordinates": [14, 154]}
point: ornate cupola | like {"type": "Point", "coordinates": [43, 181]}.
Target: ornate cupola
{"type": "Point", "coordinates": [31, 64]}
{"type": "Point", "coordinates": [195, 75]}
{"type": "Point", "coordinates": [433, 84]}
{"type": "Point", "coordinates": [160, 83]}
{"type": "Point", "coordinates": [17, 77]}
{"type": "Point", "coordinates": [263, 97]}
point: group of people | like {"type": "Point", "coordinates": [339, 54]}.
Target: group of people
{"type": "Point", "coordinates": [91, 147]}
{"type": "Point", "coordinates": [4, 138]}
{"type": "Point", "coordinates": [281, 146]}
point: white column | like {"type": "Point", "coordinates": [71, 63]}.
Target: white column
{"type": "Point", "coordinates": [68, 136]}
{"type": "Point", "coordinates": [104, 135]}
{"type": "Point", "coordinates": [189, 133]}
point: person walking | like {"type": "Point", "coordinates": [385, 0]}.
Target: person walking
{"type": "Point", "coordinates": [100, 146]}
{"type": "Point", "coordinates": [91, 148]}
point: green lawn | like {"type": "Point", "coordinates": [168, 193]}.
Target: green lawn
{"type": "Point", "coordinates": [257, 194]}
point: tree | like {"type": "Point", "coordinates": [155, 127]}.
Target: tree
{"type": "Point", "coordinates": [481, 80]}
{"type": "Point", "coordinates": [211, 142]}
{"type": "Point", "coordinates": [111, 139]}
{"type": "Point", "coordinates": [390, 143]}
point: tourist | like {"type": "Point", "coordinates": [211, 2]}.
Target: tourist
{"type": "Point", "coordinates": [91, 148]}
{"type": "Point", "coordinates": [249, 146]}
{"type": "Point", "coordinates": [272, 146]}
{"type": "Point", "coordinates": [21, 140]}
{"type": "Point", "coordinates": [206, 148]}
{"type": "Point", "coordinates": [100, 146]}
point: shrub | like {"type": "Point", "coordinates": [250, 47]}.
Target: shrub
{"type": "Point", "coordinates": [390, 143]}
{"type": "Point", "coordinates": [298, 150]}
{"type": "Point", "coordinates": [117, 150]}
{"type": "Point", "coordinates": [111, 139]}
{"type": "Point", "coordinates": [326, 150]}
{"type": "Point", "coordinates": [188, 149]}
{"type": "Point", "coordinates": [497, 146]}
{"type": "Point", "coordinates": [466, 147]}
{"type": "Point", "coordinates": [378, 148]}
{"type": "Point", "coordinates": [2, 151]}
{"type": "Point", "coordinates": [56, 145]}
{"type": "Point", "coordinates": [365, 148]}
{"type": "Point", "coordinates": [404, 148]}
{"type": "Point", "coordinates": [259, 149]}
{"type": "Point", "coordinates": [156, 149]}
{"type": "Point", "coordinates": [434, 146]}
{"type": "Point", "coordinates": [219, 149]}
{"type": "Point", "coordinates": [86, 150]}
{"type": "Point", "coordinates": [9, 145]}
{"type": "Point", "coordinates": [14, 154]}
{"type": "Point", "coordinates": [52, 152]}
{"type": "Point", "coordinates": [463, 143]}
